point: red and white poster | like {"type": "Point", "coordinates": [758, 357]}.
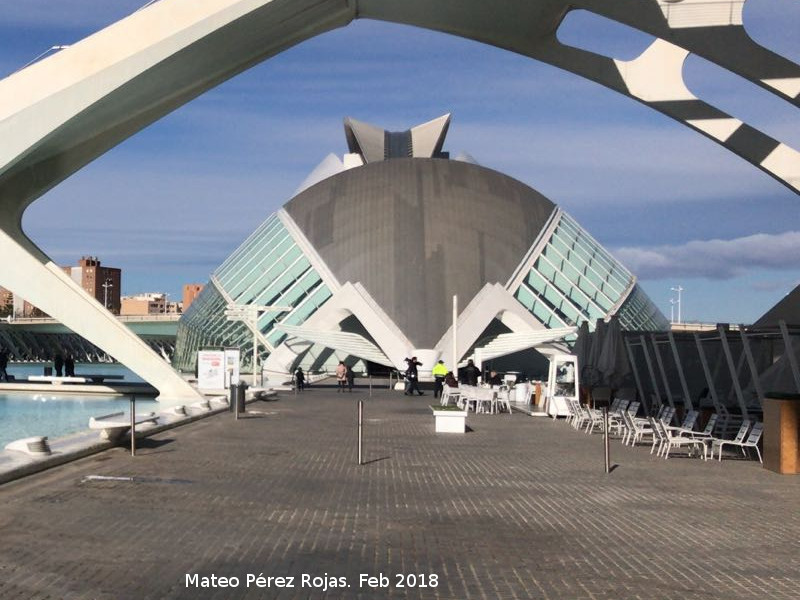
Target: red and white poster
{"type": "Point", "coordinates": [211, 369]}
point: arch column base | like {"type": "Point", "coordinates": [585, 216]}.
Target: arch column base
{"type": "Point", "coordinates": [49, 288]}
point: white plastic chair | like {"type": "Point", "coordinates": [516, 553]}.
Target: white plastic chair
{"type": "Point", "coordinates": [707, 432]}
{"type": "Point", "coordinates": [686, 425]}
{"type": "Point", "coordinates": [503, 400]}
{"type": "Point", "coordinates": [594, 418]}
{"type": "Point", "coordinates": [751, 441]}
{"type": "Point", "coordinates": [449, 394]}
{"type": "Point", "coordinates": [637, 429]}
{"type": "Point", "coordinates": [468, 397]}
{"type": "Point", "coordinates": [485, 399]}
{"type": "Point", "coordinates": [668, 440]}
{"type": "Point", "coordinates": [577, 412]}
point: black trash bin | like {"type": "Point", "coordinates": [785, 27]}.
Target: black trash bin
{"type": "Point", "coordinates": [241, 389]}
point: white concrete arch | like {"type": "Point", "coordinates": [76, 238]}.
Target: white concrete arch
{"type": "Point", "coordinates": [59, 114]}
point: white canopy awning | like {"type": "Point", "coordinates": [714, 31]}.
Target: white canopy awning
{"type": "Point", "coordinates": [508, 343]}
{"type": "Point", "coordinates": [342, 341]}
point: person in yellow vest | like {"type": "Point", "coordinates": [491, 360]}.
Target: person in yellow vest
{"type": "Point", "coordinates": [439, 372]}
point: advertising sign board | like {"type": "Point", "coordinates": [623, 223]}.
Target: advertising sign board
{"type": "Point", "coordinates": [211, 369]}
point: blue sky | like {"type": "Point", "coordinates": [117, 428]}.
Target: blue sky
{"type": "Point", "coordinates": [169, 204]}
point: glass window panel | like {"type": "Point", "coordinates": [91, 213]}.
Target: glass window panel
{"type": "Point", "coordinates": [535, 280]}
{"type": "Point", "coordinates": [525, 296]}
{"type": "Point", "coordinates": [243, 261]}
{"type": "Point", "coordinates": [552, 296]}
{"type": "Point", "coordinates": [280, 275]}
{"type": "Point", "coordinates": [264, 230]}
{"type": "Point", "coordinates": [267, 251]}
{"type": "Point", "coordinates": [546, 268]}
{"type": "Point", "coordinates": [268, 269]}
{"type": "Point", "coordinates": [545, 315]}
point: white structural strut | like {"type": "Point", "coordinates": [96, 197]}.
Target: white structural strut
{"type": "Point", "coordinates": [59, 114]}
{"type": "Point", "coordinates": [47, 286]}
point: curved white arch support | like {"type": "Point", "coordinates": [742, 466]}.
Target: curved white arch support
{"type": "Point", "coordinates": [662, 58]}
{"type": "Point", "coordinates": [788, 86]}
{"type": "Point", "coordinates": [57, 115]}
{"type": "Point", "coordinates": [47, 286]}
{"type": "Point", "coordinates": [712, 29]}
{"type": "Point", "coordinates": [529, 28]}
{"type": "Point", "coordinates": [682, 14]}
{"type": "Point", "coordinates": [786, 162]}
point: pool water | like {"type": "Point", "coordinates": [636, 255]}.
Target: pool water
{"type": "Point", "coordinates": [25, 414]}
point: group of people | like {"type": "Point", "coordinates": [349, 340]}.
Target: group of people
{"type": "Point", "coordinates": [441, 376]}
{"type": "Point", "coordinates": [469, 375]}
{"type": "Point", "coordinates": [344, 378]}
{"type": "Point", "coordinates": [64, 366]}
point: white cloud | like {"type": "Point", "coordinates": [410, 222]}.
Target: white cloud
{"type": "Point", "coordinates": [714, 259]}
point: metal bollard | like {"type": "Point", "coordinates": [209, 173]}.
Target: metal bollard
{"type": "Point", "coordinates": [133, 425]}
{"type": "Point", "coordinates": [241, 395]}
{"type": "Point", "coordinates": [360, 432]}
{"type": "Point", "coordinates": [370, 385]}
{"type": "Point", "coordinates": [605, 439]}
{"type": "Point", "coordinates": [232, 401]}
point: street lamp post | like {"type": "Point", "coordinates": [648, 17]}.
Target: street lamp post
{"type": "Point", "coordinates": [678, 289]}
{"type": "Point", "coordinates": [249, 315]}
{"type": "Point", "coordinates": [106, 284]}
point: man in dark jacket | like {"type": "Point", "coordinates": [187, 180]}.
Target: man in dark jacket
{"type": "Point", "coordinates": [411, 376]}
{"type": "Point", "coordinates": [469, 374]}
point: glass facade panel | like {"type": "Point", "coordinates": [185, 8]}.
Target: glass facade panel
{"type": "Point", "coordinates": [250, 252]}
{"type": "Point", "coordinates": [269, 269]}
{"type": "Point", "coordinates": [575, 279]}
{"type": "Point", "coordinates": [639, 313]}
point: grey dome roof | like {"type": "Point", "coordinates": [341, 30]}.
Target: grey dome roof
{"type": "Point", "coordinates": [416, 231]}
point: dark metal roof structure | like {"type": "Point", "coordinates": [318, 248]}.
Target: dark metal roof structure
{"type": "Point", "coordinates": [787, 309]}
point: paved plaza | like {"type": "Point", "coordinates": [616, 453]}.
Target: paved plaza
{"type": "Point", "coordinates": [275, 506]}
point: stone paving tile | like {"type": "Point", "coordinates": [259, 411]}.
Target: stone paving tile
{"type": "Point", "coordinates": [518, 508]}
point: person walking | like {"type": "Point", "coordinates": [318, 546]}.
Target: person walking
{"type": "Point", "coordinates": [412, 376]}
{"type": "Point", "coordinates": [350, 376]}
{"type": "Point", "coordinates": [3, 365]}
{"type": "Point", "coordinates": [300, 379]}
{"type": "Point", "coordinates": [341, 376]}
{"type": "Point", "coordinates": [439, 372]}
